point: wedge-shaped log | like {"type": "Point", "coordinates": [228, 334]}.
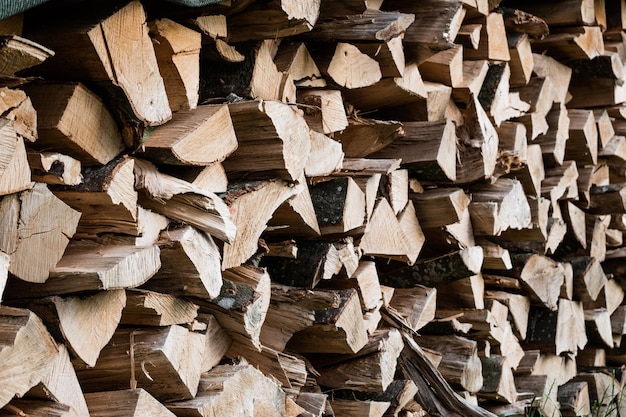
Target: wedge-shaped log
{"type": "Point", "coordinates": [498, 383]}
{"type": "Point", "coordinates": [493, 43]}
{"type": "Point", "coordinates": [131, 402]}
{"type": "Point", "coordinates": [354, 408]}
{"type": "Point", "coordinates": [15, 173]}
{"type": "Point", "coordinates": [440, 206]}
{"type": "Point", "coordinates": [371, 370]}
{"type": "Point", "coordinates": [584, 42]}
{"type": "Point", "coordinates": [106, 199]}
{"type": "Point", "coordinates": [199, 137]}
{"type": "Point", "coordinates": [323, 110]}
{"type": "Point", "coordinates": [28, 352]}
{"type": "Point", "coordinates": [92, 47]}
{"type": "Point", "coordinates": [149, 308]}
{"type": "Point", "coordinates": [163, 361]}
{"type": "Point", "coordinates": [177, 49]}
{"type": "Point", "coordinates": [190, 264]}
{"type": "Point", "coordinates": [273, 138]}
{"type": "Point", "coordinates": [339, 205]}
{"type": "Point", "coordinates": [38, 408]}
{"type": "Point", "coordinates": [386, 237]}
{"type": "Point", "coordinates": [347, 66]}
{"type": "Point", "coordinates": [295, 217]}
{"type": "Point", "coordinates": [183, 201]}
{"type": "Point", "coordinates": [499, 206]}
{"type": "Point", "coordinates": [460, 364]}
{"type": "Point", "coordinates": [365, 136]}
{"type": "Point", "coordinates": [427, 149]}
{"type": "Point", "coordinates": [90, 267]}
{"type": "Point", "coordinates": [338, 329]}
{"type": "Point", "coordinates": [61, 384]}
{"type": "Point", "coordinates": [326, 156]}
{"type": "Point", "coordinates": [252, 205]}
{"type": "Point", "coordinates": [86, 324]}
{"type": "Point", "coordinates": [229, 389]}
{"type": "Point", "coordinates": [37, 228]}
{"type": "Point", "coordinates": [589, 277]}
{"type": "Point", "coordinates": [414, 307]}
{"type": "Point", "coordinates": [242, 304]}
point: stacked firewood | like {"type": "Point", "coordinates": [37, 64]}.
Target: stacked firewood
{"type": "Point", "coordinates": [313, 208]}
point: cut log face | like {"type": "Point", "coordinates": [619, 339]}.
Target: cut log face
{"type": "Point", "coordinates": [150, 308]}
{"type": "Point", "coordinates": [104, 58]}
{"type": "Point", "coordinates": [190, 264]}
{"type": "Point", "coordinates": [339, 205]}
{"type": "Point", "coordinates": [133, 402]}
{"type": "Point", "coordinates": [283, 146]}
{"type": "Point", "coordinates": [14, 169]}
{"type": "Point", "coordinates": [30, 228]}
{"type": "Point", "coordinates": [28, 352]}
{"type": "Point", "coordinates": [163, 361]}
{"type": "Point", "coordinates": [198, 137]}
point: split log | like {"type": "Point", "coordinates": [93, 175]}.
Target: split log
{"type": "Point", "coordinates": [148, 308]}
{"type": "Point", "coordinates": [364, 136]}
{"type": "Point", "coordinates": [498, 381]}
{"type": "Point", "coordinates": [332, 159]}
{"type": "Point", "coordinates": [353, 408]}
{"type": "Point", "coordinates": [347, 66]}
{"type": "Point", "coordinates": [88, 266]}
{"type": "Point", "coordinates": [589, 278]}
{"type": "Point", "coordinates": [199, 137]}
{"type": "Point", "coordinates": [132, 402]}
{"type": "Point", "coordinates": [28, 352]}
{"type": "Point", "coordinates": [242, 304]}
{"type": "Point", "coordinates": [460, 364]}
{"type": "Point", "coordinates": [414, 307]}
{"type": "Point", "coordinates": [339, 329]}
{"type": "Point", "coordinates": [371, 370]}
{"type": "Point", "coordinates": [61, 384]}
{"type": "Point", "coordinates": [574, 399]}
{"type": "Point", "coordinates": [251, 205]}
{"type": "Point", "coordinates": [493, 43]}
{"type": "Point", "coordinates": [99, 52]}
{"type": "Point", "coordinates": [35, 238]}
{"type": "Point", "coordinates": [583, 43]}
{"type": "Point", "coordinates": [15, 173]}
{"type": "Point", "coordinates": [436, 142]}
{"type": "Point", "coordinates": [177, 50]}
{"type": "Point", "coordinates": [106, 199]}
{"type": "Point", "coordinates": [440, 206]}
{"type": "Point", "coordinates": [183, 201]}
{"type": "Point", "coordinates": [522, 61]}
{"type": "Point", "coordinates": [568, 13]}
{"type": "Point", "coordinates": [217, 342]}
{"type": "Point", "coordinates": [323, 110]}
{"type": "Point", "coordinates": [218, 389]}
{"type": "Point", "coordinates": [557, 332]}
{"type": "Point", "coordinates": [295, 217]}
{"type": "Point", "coordinates": [190, 264]}
{"type": "Point", "coordinates": [339, 205]}
{"type": "Point", "coordinates": [162, 360]}
{"type": "Point", "coordinates": [294, 59]}
{"type": "Point", "coordinates": [273, 138]}
{"type": "Point", "coordinates": [499, 206]}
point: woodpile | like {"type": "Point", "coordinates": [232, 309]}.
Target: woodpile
{"type": "Point", "coordinates": [313, 208]}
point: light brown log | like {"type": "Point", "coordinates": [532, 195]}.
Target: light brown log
{"type": "Point", "coordinates": [273, 137]}
{"type": "Point", "coordinates": [34, 238]}
{"type": "Point", "coordinates": [199, 137]}
{"type": "Point", "coordinates": [499, 206]}
{"type": "Point", "coordinates": [19, 108]}
{"type": "Point", "coordinates": [295, 217]}
{"type": "Point", "coordinates": [574, 398]}
{"type": "Point", "coordinates": [252, 206]}
{"type": "Point", "coordinates": [88, 267]}
{"type": "Point", "coordinates": [338, 330]}
{"type": "Point", "coordinates": [28, 352]}
{"type": "Point", "coordinates": [389, 55]}
{"type": "Point", "coordinates": [347, 66]}
{"type": "Point", "coordinates": [414, 307]}
{"type": "Point", "coordinates": [15, 173]}
{"type": "Point", "coordinates": [365, 136]}
{"type": "Point", "coordinates": [93, 137]}
{"type": "Point", "coordinates": [427, 149]}
{"type": "Point", "coordinates": [19, 53]}
{"type": "Point", "coordinates": [293, 58]}
{"type": "Point", "coordinates": [522, 61]}
{"type": "Point", "coordinates": [557, 332]}
{"type": "Point", "coordinates": [323, 110]}
{"type": "Point", "coordinates": [102, 41]}
{"type": "Point", "coordinates": [149, 308]}
{"type": "Point", "coordinates": [583, 43]}
{"type": "Point", "coordinates": [371, 370]}
{"type": "Point", "coordinates": [498, 381]}
{"type": "Point", "coordinates": [354, 408]}
{"type": "Point", "coordinates": [177, 49]}
{"type": "Point", "coordinates": [326, 156]}
{"type": "Point", "coordinates": [183, 201]}
{"type": "Point", "coordinates": [162, 360]}
{"type": "Point", "coordinates": [445, 67]}
{"type": "Point", "coordinates": [190, 264]}
{"type": "Point", "coordinates": [131, 402]}
{"type": "Point", "coordinates": [440, 206]}
{"type": "Point", "coordinates": [589, 278]}
{"type": "Point", "coordinates": [474, 75]}
{"type": "Point", "coordinates": [493, 43]}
